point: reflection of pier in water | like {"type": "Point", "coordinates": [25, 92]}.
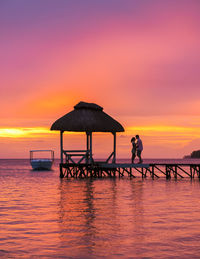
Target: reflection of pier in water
{"type": "Point", "coordinates": [153, 170]}
{"type": "Point", "coordinates": [95, 216]}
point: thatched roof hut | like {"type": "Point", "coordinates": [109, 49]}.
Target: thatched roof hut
{"type": "Point", "coordinates": [86, 117]}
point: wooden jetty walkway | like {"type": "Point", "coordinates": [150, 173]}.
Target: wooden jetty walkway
{"type": "Point", "coordinates": [90, 118]}
{"type": "Point", "coordinates": [100, 170]}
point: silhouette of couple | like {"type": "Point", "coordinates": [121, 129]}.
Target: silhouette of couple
{"type": "Point", "coordinates": [137, 148]}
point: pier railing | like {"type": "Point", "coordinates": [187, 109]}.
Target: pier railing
{"type": "Point", "coordinates": [83, 155]}
{"type": "Point", "coordinates": [112, 155]}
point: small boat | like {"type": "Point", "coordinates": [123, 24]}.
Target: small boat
{"type": "Point", "coordinates": [41, 163]}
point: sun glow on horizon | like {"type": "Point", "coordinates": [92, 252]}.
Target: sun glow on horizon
{"type": "Point", "coordinates": [32, 132]}
{"type": "Point", "coordinates": [23, 132]}
{"type": "Point", "coordinates": [145, 130]}
{"type": "Point", "coordinates": [177, 139]}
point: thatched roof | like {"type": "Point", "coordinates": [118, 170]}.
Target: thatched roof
{"type": "Point", "coordinates": [87, 117]}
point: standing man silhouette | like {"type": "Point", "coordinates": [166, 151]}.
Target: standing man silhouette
{"type": "Point", "coordinates": [139, 147]}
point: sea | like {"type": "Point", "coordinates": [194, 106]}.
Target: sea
{"type": "Point", "coordinates": [43, 216]}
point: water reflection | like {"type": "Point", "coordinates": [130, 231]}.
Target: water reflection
{"type": "Point", "coordinates": [43, 217]}
{"type": "Point", "coordinates": [98, 218]}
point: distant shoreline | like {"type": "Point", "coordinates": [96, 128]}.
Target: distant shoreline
{"type": "Point", "coordinates": [194, 154]}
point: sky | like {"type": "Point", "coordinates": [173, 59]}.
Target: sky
{"type": "Point", "coordinates": [139, 59]}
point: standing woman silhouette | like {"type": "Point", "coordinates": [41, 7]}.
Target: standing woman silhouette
{"type": "Point", "coordinates": [133, 150]}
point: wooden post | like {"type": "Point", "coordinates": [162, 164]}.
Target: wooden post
{"type": "Point", "coordinates": [88, 146]}
{"type": "Point", "coordinates": [88, 141]}
{"type": "Point", "coordinates": [114, 147]}
{"type": "Point", "coordinates": [175, 173]}
{"type": "Point", "coordinates": [91, 147]}
{"type": "Point", "coordinates": [152, 172]}
{"type": "Point", "coordinates": [61, 146]}
{"type": "Point", "coordinates": [61, 172]}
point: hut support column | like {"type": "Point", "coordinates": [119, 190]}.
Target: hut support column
{"type": "Point", "coordinates": [114, 147]}
{"type": "Point", "coordinates": [88, 147]}
{"type": "Point", "coordinates": [91, 147]}
{"type": "Point", "coordinates": [61, 154]}
{"type": "Point", "coordinates": [61, 146]}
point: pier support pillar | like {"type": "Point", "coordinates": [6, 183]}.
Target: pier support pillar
{"type": "Point", "coordinates": [168, 172]}
{"type": "Point", "coordinates": [61, 171]}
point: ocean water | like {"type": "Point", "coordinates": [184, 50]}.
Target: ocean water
{"type": "Point", "coordinates": [43, 216]}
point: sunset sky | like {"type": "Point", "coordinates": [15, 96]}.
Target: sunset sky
{"type": "Point", "coordinates": [139, 59]}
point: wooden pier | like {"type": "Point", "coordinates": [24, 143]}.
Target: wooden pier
{"type": "Point", "coordinates": [100, 170]}
{"type": "Point", "coordinates": [90, 118]}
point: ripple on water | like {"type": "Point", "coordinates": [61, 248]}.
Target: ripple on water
{"type": "Point", "coordinates": [43, 216]}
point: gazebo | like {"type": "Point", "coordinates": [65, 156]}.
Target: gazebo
{"type": "Point", "coordinates": [88, 118]}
